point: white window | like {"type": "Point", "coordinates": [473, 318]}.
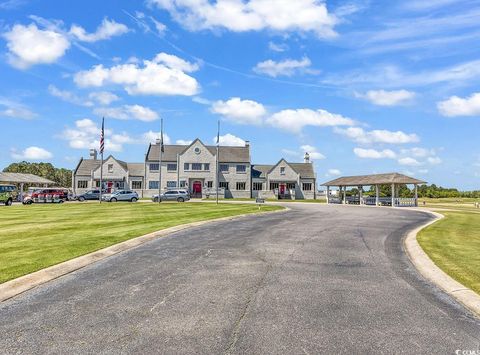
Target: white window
{"type": "Point", "coordinates": [223, 185]}
{"type": "Point", "coordinates": [183, 183]}
{"type": "Point", "coordinates": [154, 166]}
{"type": "Point", "coordinates": [282, 170]}
{"type": "Point", "coordinates": [153, 185]}
{"type": "Point", "coordinates": [171, 184]}
{"type": "Point", "coordinates": [307, 186]}
{"type": "Point", "coordinates": [209, 184]}
{"type": "Point", "coordinates": [241, 186]}
{"type": "Point", "coordinates": [136, 185]}
{"type": "Point", "coordinates": [82, 184]}
{"type": "Point", "coordinates": [186, 166]}
{"type": "Point", "coordinates": [241, 168]}
{"type": "Point", "coordinates": [110, 168]}
{"type": "Point", "coordinates": [206, 167]}
{"type": "Point", "coordinates": [291, 185]}
{"type": "Point", "coordinates": [171, 167]}
{"type": "Point", "coordinates": [224, 168]}
{"type": "Point", "coordinates": [196, 166]}
{"type": "Point", "coordinates": [273, 185]}
{"type": "Point", "coordinates": [257, 186]}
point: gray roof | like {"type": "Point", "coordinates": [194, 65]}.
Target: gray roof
{"type": "Point", "coordinates": [305, 170]}
{"type": "Point", "coordinates": [375, 179]}
{"type": "Point", "coordinates": [227, 154]}
{"type": "Point", "coordinates": [86, 166]}
{"type": "Point", "coordinates": [136, 169]}
{"type": "Point", "coordinates": [24, 178]}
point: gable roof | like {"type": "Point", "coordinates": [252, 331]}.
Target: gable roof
{"type": "Point", "coordinates": [227, 154]}
{"type": "Point", "coordinates": [120, 162]}
{"type": "Point", "coordinates": [136, 169]}
{"type": "Point", "coordinates": [86, 166]}
{"type": "Point", "coordinates": [304, 169]}
{"type": "Point", "coordinates": [23, 178]}
{"type": "Point", "coordinates": [374, 179]}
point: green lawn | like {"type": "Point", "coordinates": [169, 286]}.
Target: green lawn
{"type": "Point", "coordinates": [453, 243]}
{"type": "Point", "coordinates": [37, 236]}
{"type": "Point", "coordinates": [267, 199]}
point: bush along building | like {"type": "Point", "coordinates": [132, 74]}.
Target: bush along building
{"type": "Point", "coordinates": [194, 167]}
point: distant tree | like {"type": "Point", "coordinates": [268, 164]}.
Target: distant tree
{"type": "Point", "coordinates": [61, 177]}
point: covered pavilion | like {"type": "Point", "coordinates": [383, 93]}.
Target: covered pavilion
{"type": "Point", "coordinates": [392, 179]}
{"type": "Point", "coordinates": [22, 179]}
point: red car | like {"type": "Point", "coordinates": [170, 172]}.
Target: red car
{"type": "Point", "coordinates": [49, 194]}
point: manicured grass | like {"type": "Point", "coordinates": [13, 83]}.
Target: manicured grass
{"type": "Point", "coordinates": [37, 236]}
{"type": "Point", "coordinates": [267, 199]}
{"type": "Point", "coordinates": [453, 243]}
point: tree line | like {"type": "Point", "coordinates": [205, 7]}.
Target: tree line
{"type": "Point", "coordinates": [431, 191]}
{"type": "Point", "coordinates": [61, 176]}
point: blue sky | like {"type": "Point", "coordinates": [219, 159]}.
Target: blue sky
{"type": "Point", "coordinates": [363, 86]}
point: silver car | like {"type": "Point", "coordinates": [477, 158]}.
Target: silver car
{"type": "Point", "coordinates": [121, 195]}
{"type": "Point", "coordinates": [173, 195]}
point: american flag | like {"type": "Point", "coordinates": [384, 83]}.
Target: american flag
{"type": "Point", "coordinates": [102, 137]}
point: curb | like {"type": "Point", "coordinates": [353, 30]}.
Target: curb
{"type": "Point", "coordinates": [24, 283]}
{"type": "Point", "coordinates": [434, 274]}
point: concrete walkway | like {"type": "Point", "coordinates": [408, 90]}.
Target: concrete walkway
{"type": "Point", "coordinates": [316, 279]}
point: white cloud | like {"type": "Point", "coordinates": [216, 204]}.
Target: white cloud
{"type": "Point", "coordinates": [153, 78]}
{"type": "Point", "coordinates": [312, 151]}
{"type": "Point", "coordinates": [126, 112]}
{"type": "Point", "coordinates": [32, 153]}
{"type": "Point", "coordinates": [334, 172]}
{"type": "Point", "coordinates": [457, 106]}
{"type": "Point", "coordinates": [295, 120]}
{"type": "Point", "coordinates": [277, 47]}
{"type": "Point", "coordinates": [103, 97]}
{"type": "Point", "coordinates": [68, 96]}
{"type": "Point", "coordinates": [174, 62]}
{"type": "Point", "coordinates": [434, 160]}
{"type": "Point", "coordinates": [15, 110]}
{"type": "Point", "coordinates": [374, 154]}
{"type": "Point", "coordinates": [106, 30]}
{"type": "Point", "coordinates": [252, 15]}
{"type": "Point", "coordinates": [240, 111]}
{"type": "Point", "coordinates": [286, 67]}
{"type": "Point", "coordinates": [151, 137]}
{"type": "Point", "coordinates": [359, 135]}
{"type": "Point", "coordinates": [423, 171]}
{"type": "Point", "coordinates": [229, 140]}
{"type": "Point", "coordinates": [29, 45]}
{"type": "Point", "coordinates": [184, 142]}
{"type": "Point", "coordinates": [408, 161]}
{"type": "Point", "coordinates": [387, 98]}
{"type": "Point", "coordinates": [418, 152]}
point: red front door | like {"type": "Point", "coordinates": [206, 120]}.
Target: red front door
{"type": "Point", "coordinates": [282, 189]}
{"type": "Point", "coordinates": [109, 186]}
{"type": "Point", "coordinates": [197, 188]}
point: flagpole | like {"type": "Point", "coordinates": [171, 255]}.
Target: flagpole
{"type": "Point", "coordinates": [102, 145]}
{"type": "Point", "coordinates": [160, 163]}
{"type": "Point", "coordinates": [218, 158]}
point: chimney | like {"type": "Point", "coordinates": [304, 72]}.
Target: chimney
{"type": "Point", "coordinates": [307, 158]}
{"type": "Point", "coordinates": [247, 144]}
{"type": "Point", "coordinates": [157, 141]}
{"type": "Point", "coordinates": [93, 154]}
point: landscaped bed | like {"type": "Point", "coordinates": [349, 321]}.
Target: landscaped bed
{"type": "Point", "coordinates": [37, 236]}
{"type": "Point", "coordinates": [453, 244]}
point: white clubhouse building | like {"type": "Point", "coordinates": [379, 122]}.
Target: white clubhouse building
{"type": "Point", "coordinates": [193, 167]}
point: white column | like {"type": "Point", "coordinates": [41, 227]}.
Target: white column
{"type": "Point", "coordinates": [416, 195]}
{"type": "Point", "coordinates": [344, 195]}
{"type": "Point", "coordinates": [377, 195]}
{"type": "Point", "coordinates": [393, 195]}
{"type": "Point", "coordinates": [328, 195]}
{"type": "Point", "coordinates": [360, 194]}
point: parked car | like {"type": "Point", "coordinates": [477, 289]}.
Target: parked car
{"type": "Point", "coordinates": [89, 195]}
{"type": "Point", "coordinates": [173, 195]}
{"type": "Point", "coordinates": [121, 195]}
{"type": "Point", "coordinates": [8, 194]}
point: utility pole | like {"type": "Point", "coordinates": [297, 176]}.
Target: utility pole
{"type": "Point", "coordinates": [218, 158]}
{"type": "Point", "coordinates": [161, 149]}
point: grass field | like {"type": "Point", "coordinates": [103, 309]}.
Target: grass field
{"type": "Point", "coordinates": [37, 236]}
{"type": "Point", "coordinates": [453, 243]}
{"type": "Point", "coordinates": [268, 200]}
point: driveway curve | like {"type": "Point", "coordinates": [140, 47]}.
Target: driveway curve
{"type": "Point", "coordinates": [315, 279]}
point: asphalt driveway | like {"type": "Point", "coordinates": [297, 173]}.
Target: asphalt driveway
{"type": "Point", "coordinates": [316, 279]}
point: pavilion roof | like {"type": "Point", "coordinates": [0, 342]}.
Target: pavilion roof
{"type": "Point", "coordinates": [375, 179]}
{"type": "Point", "coordinates": [23, 178]}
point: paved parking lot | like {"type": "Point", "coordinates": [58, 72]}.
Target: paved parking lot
{"type": "Point", "coordinates": [316, 279]}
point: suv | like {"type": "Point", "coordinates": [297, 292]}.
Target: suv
{"type": "Point", "coordinates": [63, 194]}
{"type": "Point", "coordinates": [173, 195]}
{"type": "Point", "coordinates": [8, 193]}
{"type": "Point", "coordinates": [121, 195]}
{"type": "Point", "coordinates": [89, 195]}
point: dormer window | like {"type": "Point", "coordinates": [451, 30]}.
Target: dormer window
{"type": "Point", "coordinates": [110, 168]}
{"type": "Point", "coordinates": [282, 170]}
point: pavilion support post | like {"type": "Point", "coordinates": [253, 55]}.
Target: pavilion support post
{"type": "Point", "coordinates": [377, 195]}
{"type": "Point", "coordinates": [416, 195]}
{"type": "Point", "coordinates": [393, 195]}
{"type": "Point", "coordinates": [328, 195]}
{"type": "Point", "coordinates": [21, 192]}
{"type": "Point", "coordinates": [344, 197]}
{"type": "Point", "coordinates": [360, 195]}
